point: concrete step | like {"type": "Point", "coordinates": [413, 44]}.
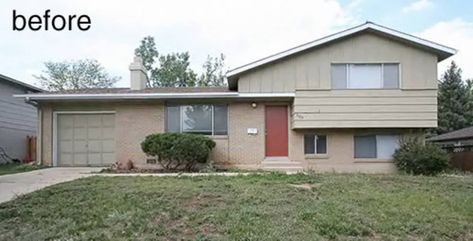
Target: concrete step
{"type": "Point", "coordinates": [281, 164]}
{"type": "Point", "coordinates": [284, 169]}
{"type": "Point", "coordinates": [274, 163]}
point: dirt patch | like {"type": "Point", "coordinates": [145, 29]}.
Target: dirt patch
{"type": "Point", "coordinates": [306, 186]}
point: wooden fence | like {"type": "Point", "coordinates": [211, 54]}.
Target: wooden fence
{"type": "Point", "coordinates": [461, 157]}
{"type": "Point", "coordinates": [30, 149]}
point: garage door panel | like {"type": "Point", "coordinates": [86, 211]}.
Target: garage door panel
{"type": "Point", "coordinates": [94, 121]}
{"type": "Point", "coordinates": [86, 139]}
{"type": "Point", "coordinates": [66, 159]}
{"type": "Point", "coordinates": [94, 145]}
{"type": "Point", "coordinates": [80, 159]}
{"type": "Point", "coordinates": [66, 134]}
{"type": "Point", "coordinates": [94, 133]}
{"type": "Point", "coordinates": [80, 133]}
{"type": "Point", "coordinates": [95, 159]}
{"type": "Point", "coordinates": [80, 121]}
{"type": "Point", "coordinates": [65, 146]}
{"type": "Point", "coordinates": [66, 121]}
{"type": "Point", "coordinates": [80, 146]}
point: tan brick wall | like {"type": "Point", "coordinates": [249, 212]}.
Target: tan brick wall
{"type": "Point", "coordinates": [133, 122]}
{"type": "Point", "coordinates": [246, 150]}
{"type": "Point", "coordinates": [46, 137]}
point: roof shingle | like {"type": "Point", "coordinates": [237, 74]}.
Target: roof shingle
{"type": "Point", "coordinates": [147, 90]}
{"type": "Point", "coordinates": [464, 133]}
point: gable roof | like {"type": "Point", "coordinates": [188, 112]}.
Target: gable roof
{"type": "Point", "coordinates": [17, 82]}
{"type": "Point", "coordinates": [465, 133]}
{"type": "Point", "coordinates": [441, 51]}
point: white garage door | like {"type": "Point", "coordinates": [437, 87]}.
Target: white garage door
{"type": "Point", "coordinates": [85, 139]}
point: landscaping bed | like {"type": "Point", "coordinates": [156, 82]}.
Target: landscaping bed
{"type": "Point", "coordinates": [253, 207]}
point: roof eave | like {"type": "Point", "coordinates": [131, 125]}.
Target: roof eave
{"type": "Point", "coordinates": [152, 96]}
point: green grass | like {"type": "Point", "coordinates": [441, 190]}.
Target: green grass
{"type": "Point", "coordinates": [16, 168]}
{"type": "Point", "coordinates": [255, 207]}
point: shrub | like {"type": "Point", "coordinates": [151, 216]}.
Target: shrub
{"type": "Point", "coordinates": [416, 158]}
{"type": "Point", "coordinates": [178, 151]}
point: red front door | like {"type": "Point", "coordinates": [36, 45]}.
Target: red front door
{"type": "Point", "coordinates": [276, 131]}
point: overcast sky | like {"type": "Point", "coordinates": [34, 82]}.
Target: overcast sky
{"type": "Point", "coordinates": [243, 30]}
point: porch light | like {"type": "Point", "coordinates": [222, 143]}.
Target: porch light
{"type": "Point", "coordinates": [254, 105]}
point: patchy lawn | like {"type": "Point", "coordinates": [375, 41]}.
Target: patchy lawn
{"type": "Point", "coordinates": [16, 168]}
{"type": "Point", "coordinates": [255, 207]}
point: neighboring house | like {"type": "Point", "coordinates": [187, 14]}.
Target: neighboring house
{"type": "Point", "coordinates": [462, 137]}
{"type": "Point", "coordinates": [339, 103]}
{"type": "Point", "coordinates": [17, 118]}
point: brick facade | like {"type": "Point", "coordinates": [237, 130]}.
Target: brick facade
{"type": "Point", "coordinates": [135, 120]}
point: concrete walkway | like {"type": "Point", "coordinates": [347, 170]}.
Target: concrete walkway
{"type": "Point", "coordinates": [21, 183]}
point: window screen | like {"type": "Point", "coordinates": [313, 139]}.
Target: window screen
{"type": "Point", "coordinates": [199, 119]}
{"type": "Point", "coordinates": [321, 144]}
{"type": "Point", "coordinates": [365, 76]}
{"type": "Point", "coordinates": [315, 144]}
{"type": "Point", "coordinates": [390, 76]}
{"type": "Point", "coordinates": [173, 119]}
{"type": "Point", "coordinates": [339, 76]}
{"type": "Point", "coordinates": [386, 145]}
{"type": "Point", "coordinates": [220, 122]}
{"type": "Point", "coordinates": [365, 146]}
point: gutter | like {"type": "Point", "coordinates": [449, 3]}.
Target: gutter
{"type": "Point", "coordinates": [30, 102]}
{"type": "Point", "coordinates": [144, 96]}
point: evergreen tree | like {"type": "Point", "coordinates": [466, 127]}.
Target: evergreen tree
{"type": "Point", "coordinates": [455, 108]}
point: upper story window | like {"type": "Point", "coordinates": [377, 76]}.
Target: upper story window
{"type": "Point", "coordinates": [365, 76]}
{"type": "Point", "coordinates": [199, 119]}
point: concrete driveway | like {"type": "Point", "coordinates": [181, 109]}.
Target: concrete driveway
{"type": "Point", "coordinates": [21, 183]}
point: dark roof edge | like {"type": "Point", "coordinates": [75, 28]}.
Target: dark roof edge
{"type": "Point", "coordinates": [17, 82]}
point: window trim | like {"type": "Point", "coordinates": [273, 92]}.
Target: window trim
{"type": "Point", "coordinates": [182, 119]}
{"type": "Point", "coordinates": [316, 155]}
{"type": "Point", "coordinates": [382, 63]}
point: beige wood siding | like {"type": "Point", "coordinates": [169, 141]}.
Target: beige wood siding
{"type": "Point", "coordinates": [364, 108]}
{"type": "Point", "coordinates": [311, 70]}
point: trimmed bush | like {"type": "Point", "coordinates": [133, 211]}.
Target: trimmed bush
{"type": "Point", "coordinates": [178, 151]}
{"type": "Point", "coordinates": [416, 158]}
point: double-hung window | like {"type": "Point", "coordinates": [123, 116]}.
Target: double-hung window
{"type": "Point", "coordinates": [315, 144]}
{"type": "Point", "coordinates": [198, 119]}
{"type": "Point", "coordinates": [376, 146]}
{"type": "Point", "coordinates": [365, 76]}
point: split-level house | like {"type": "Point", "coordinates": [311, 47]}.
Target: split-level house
{"type": "Point", "coordinates": [339, 103]}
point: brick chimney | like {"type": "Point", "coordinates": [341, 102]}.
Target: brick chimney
{"type": "Point", "coordinates": [138, 77]}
